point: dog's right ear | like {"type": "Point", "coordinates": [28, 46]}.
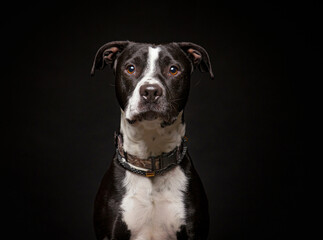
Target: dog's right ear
{"type": "Point", "coordinates": [107, 54]}
{"type": "Point", "coordinates": [198, 56]}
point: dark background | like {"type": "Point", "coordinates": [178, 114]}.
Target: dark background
{"type": "Point", "coordinates": [245, 128]}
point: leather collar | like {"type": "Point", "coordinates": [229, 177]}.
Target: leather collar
{"type": "Point", "coordinates": [151, 166]}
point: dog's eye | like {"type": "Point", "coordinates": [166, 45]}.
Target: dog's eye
{"type": "Point", "coordinates": [173, 70]}
{"type": "Point", "coordinates": [131, 69]}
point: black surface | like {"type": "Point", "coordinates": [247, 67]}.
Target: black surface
{"type": "Point", "coordinates": [245, 128]}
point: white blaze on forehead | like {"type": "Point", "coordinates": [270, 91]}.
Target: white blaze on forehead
{"type": "Point", "coordinates": [148, 78]}
{"type": "Point", "coordinates": [153, 54]}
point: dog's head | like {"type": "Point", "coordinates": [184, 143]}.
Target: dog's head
{"type": "Point", "coordinates": [152, 81]}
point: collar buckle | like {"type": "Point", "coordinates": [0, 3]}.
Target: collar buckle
{"type": "Point", "coordinates": [153, 163]}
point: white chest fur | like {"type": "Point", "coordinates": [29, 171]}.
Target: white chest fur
{"type": "Point", "coordinates": [153, 208]}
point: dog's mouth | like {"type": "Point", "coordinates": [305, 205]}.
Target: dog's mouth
{"type": "Point", "coordinates": [151, 112]}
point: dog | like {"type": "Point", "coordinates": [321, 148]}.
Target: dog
{"type": "Point", "coordinates": [151, 190]}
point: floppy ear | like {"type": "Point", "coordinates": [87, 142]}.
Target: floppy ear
{"type": "Point", "coordinates": [198, 56]}
{"type": "Point", "coordinates": [107, 54]}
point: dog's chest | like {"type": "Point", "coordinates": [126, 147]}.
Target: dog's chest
{"type": "Point", "coordinates": [154, 208]}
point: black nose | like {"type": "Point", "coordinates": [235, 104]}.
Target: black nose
{"type": "Point", "coordinates": [150, 92]}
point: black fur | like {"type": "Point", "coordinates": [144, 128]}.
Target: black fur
{"type": "Point", "coordinates": [107, 216]}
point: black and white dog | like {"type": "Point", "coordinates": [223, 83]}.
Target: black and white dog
{"type": "Point", "coordinates": [151, 190]}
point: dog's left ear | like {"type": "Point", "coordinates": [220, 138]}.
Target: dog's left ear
{"type": "Point", "coordinates": [198, 56]}
{"type": "Point", "coordinates": [107, 54]}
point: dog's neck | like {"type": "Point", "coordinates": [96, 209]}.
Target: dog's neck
{"type": "Point", "coordinates": [147, 138]}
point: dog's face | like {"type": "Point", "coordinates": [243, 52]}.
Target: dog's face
{"type": "Point", "coordinates": [152, 81]}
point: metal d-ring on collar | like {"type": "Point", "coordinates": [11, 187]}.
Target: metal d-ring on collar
{"type": "Point", "coordinates": [173, 159]}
